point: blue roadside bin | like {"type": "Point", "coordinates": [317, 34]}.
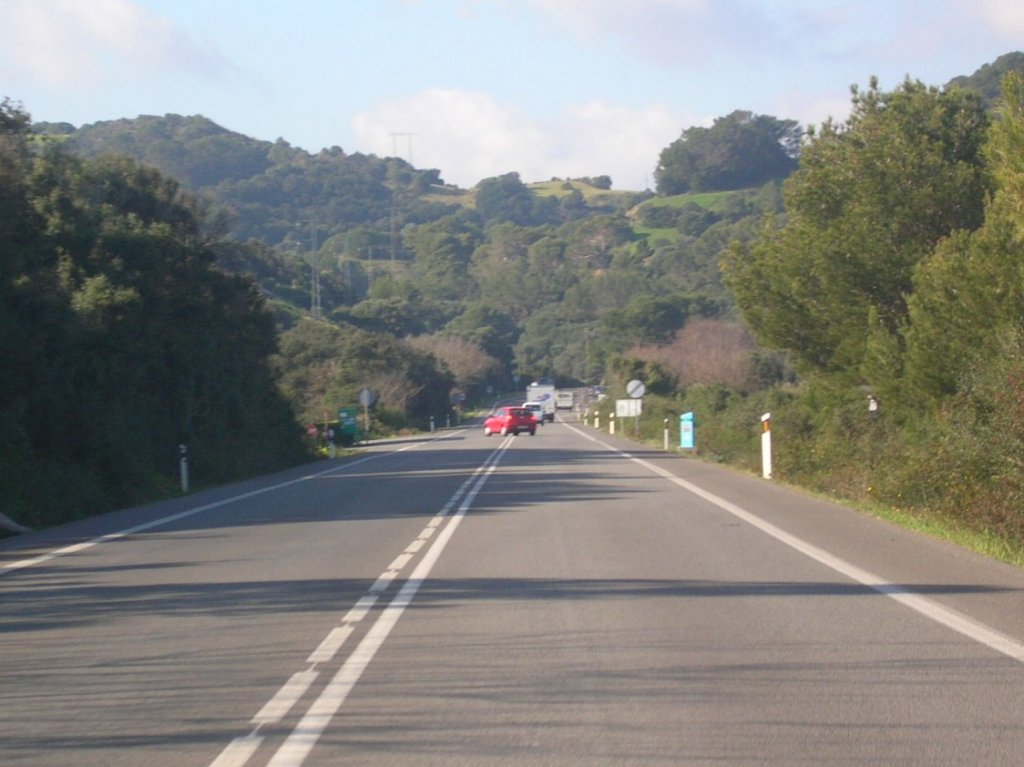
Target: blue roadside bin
{"type": "Point", "coordinates": [687, 432]}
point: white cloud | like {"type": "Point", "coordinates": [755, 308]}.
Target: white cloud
{"type": "Point", "coordinates": [469, 136]}
{"type": "Point", "coordinates": [598, 138]}
{"type": "Point", "coordinates": [466, 135]}
{"type": "Point", "coordinates": [667, 32]}
{"type": "Point", "coordinates": [65, 43]}
{"type": "Point", "coordinates": [1004, 17]}
{"type": "Point", "coordinates": [809, 109]}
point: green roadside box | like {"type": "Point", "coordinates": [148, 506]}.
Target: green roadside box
{"type": "Point", "coordinates": [348, 426]}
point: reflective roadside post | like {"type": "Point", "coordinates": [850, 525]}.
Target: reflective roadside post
{"type": "Point", "coordinates": [766, 446]}
{"type": "Point", "coordinates": [183, 466]}
{"type": "Point", "coordinates": [665, 440]}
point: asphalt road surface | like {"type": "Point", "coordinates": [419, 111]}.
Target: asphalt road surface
{"type": "Point", "coordinates": [562, 599]}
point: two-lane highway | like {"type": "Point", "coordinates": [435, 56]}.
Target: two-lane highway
{"type": "Point", "coordinates": [562, 599]}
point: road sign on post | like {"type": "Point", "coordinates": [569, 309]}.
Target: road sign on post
{"type": "Point", "coordinates": [636, 390]}
{"type": "Point", "coordinates": [367, 398]}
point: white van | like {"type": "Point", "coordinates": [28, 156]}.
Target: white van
{"type": "Point", "coordinates": [537, 409]}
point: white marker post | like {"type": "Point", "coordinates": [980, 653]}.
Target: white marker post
{"type": "Point", "coordinates": [766, 446]}
{"type": "Point", "coordinates": [183, 467]}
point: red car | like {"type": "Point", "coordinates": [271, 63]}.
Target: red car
{"type": "Point", "coordinates": [510, 420]}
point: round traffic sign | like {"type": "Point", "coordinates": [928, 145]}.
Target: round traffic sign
{"type": "Point", "coordinates": [635, 389]}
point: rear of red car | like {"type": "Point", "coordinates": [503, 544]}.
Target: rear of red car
{"type": "Point", "coordinates": [510, 420]}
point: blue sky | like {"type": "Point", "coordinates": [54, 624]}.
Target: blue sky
{"type": "Point", "coordinates": [477, 88]}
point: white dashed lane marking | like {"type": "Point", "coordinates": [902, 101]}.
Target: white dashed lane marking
{"type": "Point", "coordinates": [318, 716]}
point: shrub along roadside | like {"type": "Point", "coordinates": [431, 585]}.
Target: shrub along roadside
{"type": "Point", "coordinates": [954, 478]}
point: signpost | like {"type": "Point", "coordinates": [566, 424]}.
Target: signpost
{"type": "Point", "coordinates": [367, 398]}
{"type": "Point", "coordinates": [636, 390]}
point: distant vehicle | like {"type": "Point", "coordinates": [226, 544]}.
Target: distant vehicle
{"type": "Point", "coordinates": [543, 391]}
{"type": "Point", "coordinates": [537, 409]}
{"type": "Point", "coordinates": [565, 399]}
{"type": "Point", "coordinates": [510, 420]}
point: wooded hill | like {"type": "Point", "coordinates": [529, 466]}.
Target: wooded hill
{"type": "Point", "coordinates": [380, 274]}
{"type": "Point", "coordinates": [529, 279]}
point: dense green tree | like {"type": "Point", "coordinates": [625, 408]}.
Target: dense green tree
{"type": "Point", "coordinates": [194, 150]}
{"type": "Point", "coordinates": [122, 339]}
{"type": "Point", "coordinates": [491, 329]}
{"type": "Point", "coordinates": [324, 367]}
{"type": "Point", "coordinates": [968, 298]}
{"type": "Point", "coordinates": [737, 151]}
{"type": "Point", "coordinates": [648, 319]}
{"type": "Point", "coordinates": [442, 252]}
{"type": "Point", "coordinates": [507, 198]}
{"type": "Point", "coordinates": [871, 199]}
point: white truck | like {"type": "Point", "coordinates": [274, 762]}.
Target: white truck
{"type": "Point", "coordinates": [565, 399]}
{"type": "Point", "coordinates": [543, 391]}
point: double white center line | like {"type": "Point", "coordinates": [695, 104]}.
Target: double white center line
{"type": "Point", "coordinates": [311, 726]}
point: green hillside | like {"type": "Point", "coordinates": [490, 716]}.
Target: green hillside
{"type": "Point", "coordinates": [891, 251]}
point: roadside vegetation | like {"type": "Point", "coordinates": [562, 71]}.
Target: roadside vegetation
{"type": "Point", "coordinates": [166, 281]}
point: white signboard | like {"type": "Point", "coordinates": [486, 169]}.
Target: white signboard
{"type": "Point", "coordinates": [628, 408]}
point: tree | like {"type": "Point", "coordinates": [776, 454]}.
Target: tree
{"type": "Point", "coordinates": [471, 367]}
{"type": "Point", "coordinates": [968, 297]}
{"type": "Point", "coordinates": [737, 151]}
{"type": "Point", "coordinates": [324, 367]}
{"type": "Point", "coordinates": [492, 330]}
{"type": "Point", "coordinates": [649, 319]}
{"type": "Point", "coordinates": [443, 250]}
{"type": "Point", "coordinates": [135, 342]}
{"type": "Point", "coordinates": [871, 199]}
{"type": "Point", "coordinates": [507, 198]}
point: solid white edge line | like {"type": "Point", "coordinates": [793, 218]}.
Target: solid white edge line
{"type": "Point", "coordinates": [108, 537]}
{"type": "Point", "coordinates": [941, 614]}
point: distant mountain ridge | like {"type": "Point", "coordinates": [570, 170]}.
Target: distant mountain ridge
{"type": "Point", "coordinates": [987, 79]}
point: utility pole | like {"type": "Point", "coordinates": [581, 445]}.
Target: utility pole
{"type": "Point", "coordinates": [314, 271]}
{"type": "Point", "coordinates": [314, 261]}
{"type": "Point", "coordinates": [394, 153]}
{"type": "Point", "coordinates": [394, 145]}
